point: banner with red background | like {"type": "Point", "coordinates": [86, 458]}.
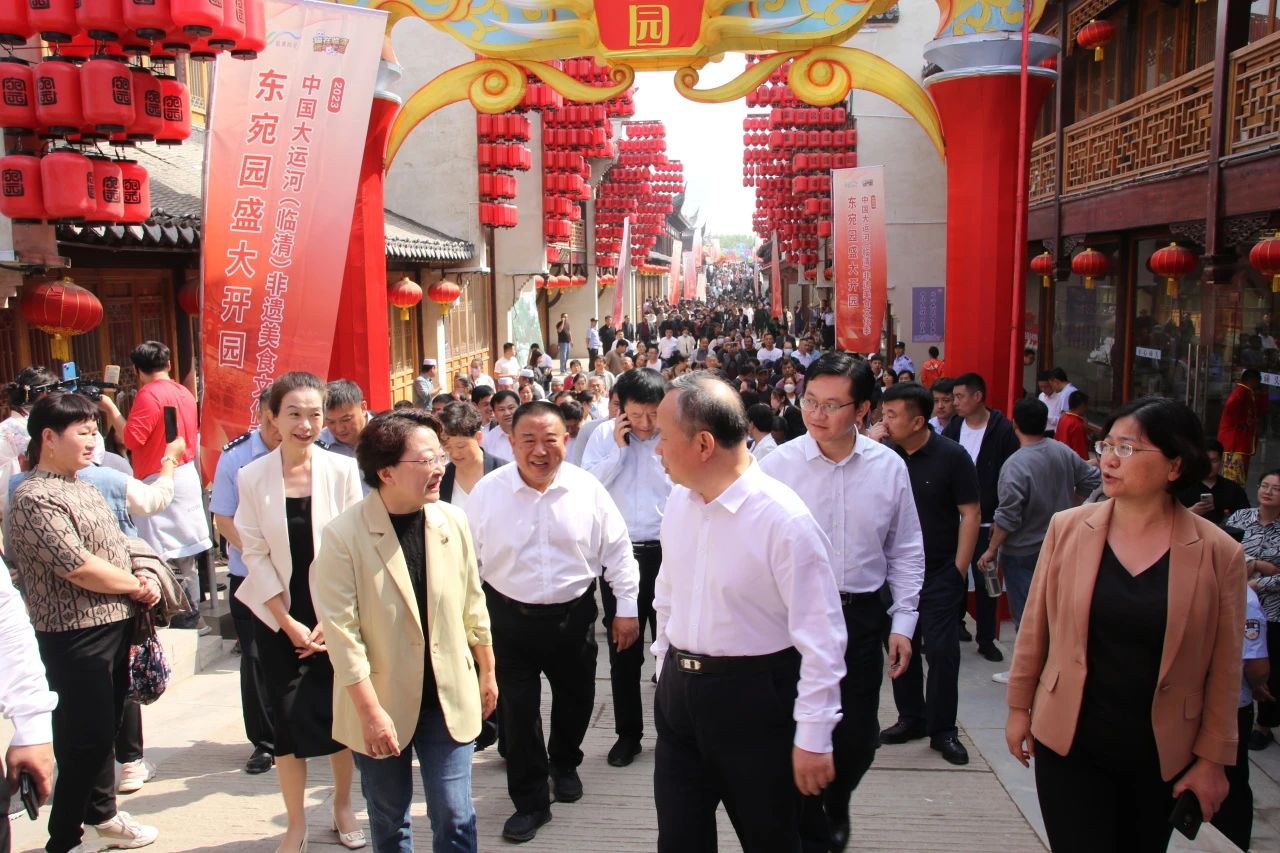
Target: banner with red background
{"type": "Point", "coordinates": [857, 211]}
{"type": "Point", "coordinates": [775, 277]}
{"type": "Point", "coordinates": [286, 136]}
{"type": "Point", "coordinates": [674, 294]}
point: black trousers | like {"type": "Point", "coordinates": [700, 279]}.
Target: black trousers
{"type": "Point", "coordinates": [932, 702]}
{"type": "Point", "coordinates": [592, 355]}
{"type": "Point", "coordinates": [1094, 802]}
{"type": "Point", "coordinates": [254, 704]}
{"type": "Point", "coordinates": [1269, 712]}
{"type": "Point", "coordinates": [4, 814]}
{"type": "Point", "coordinates": [89, 670]}
{"type": "Point", "coordinates": [529, 642]}
{"type": "Point", "coordinates": [129, 735]}
{"type": "Point", "coordinates": [624, 666]}
{"type": "Point", "coordinates": [984, 605]}
{"type": "Point", "coordinates": [1235, 818]}
{"type": "Point", "coordinates": [726, 738]}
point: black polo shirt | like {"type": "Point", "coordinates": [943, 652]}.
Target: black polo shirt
{"type": "Point", "coordinates": [942, 478]}
{"type": "Point", "coordinates": [1227, 498]}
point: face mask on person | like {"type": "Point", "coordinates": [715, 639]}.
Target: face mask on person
{"type": "Point", "coordinates": [789, 388]}
{"type": "Point", "coordinates": [787, 350]}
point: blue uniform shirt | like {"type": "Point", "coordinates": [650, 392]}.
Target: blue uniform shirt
{"type": "Point", "coordinates": [225, 500]}
{"type": "Point", "coordinates": [1255, 640]}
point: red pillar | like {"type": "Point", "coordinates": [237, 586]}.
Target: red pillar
{"type": "Point", "coordinates": [979, 112]}
{"type": "Point", "coordinates": [361, 340]}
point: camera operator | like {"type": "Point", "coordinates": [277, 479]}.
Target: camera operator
{"type": "Point", "coordinates": [180, 532]}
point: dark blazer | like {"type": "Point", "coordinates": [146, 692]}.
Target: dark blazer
{"type": "Point", "coordinates": [999, 442]}
{"type": "Point", "coordinates": [491, 463]}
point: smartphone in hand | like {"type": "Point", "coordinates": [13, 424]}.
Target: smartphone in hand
{"type": "Point", "coordinates": [1187, 817]}
{"type": "Point", "coordinates": [27, 790]}
{"type": "Point", "coordinates": [170, 423]}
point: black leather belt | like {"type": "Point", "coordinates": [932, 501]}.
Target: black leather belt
{"type": "Point", "coordinates": [646, 546]}
{"type": "Point", "coordinates": [540, 610]}
{"type": "Point", "coordinates": [740, 665]}
{"type": "Point", "coordinates": [847, 598]}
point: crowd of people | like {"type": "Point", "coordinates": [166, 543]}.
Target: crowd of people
{"type": "Point", "coordinates": [775, 521]}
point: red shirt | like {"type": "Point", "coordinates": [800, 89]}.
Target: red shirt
{"type": "Point", "coordinates": [1072, 432]}
{"type": "Point", "coordinates": [931, 372]}
{"type": "Point", "coordinates": [144, 431]}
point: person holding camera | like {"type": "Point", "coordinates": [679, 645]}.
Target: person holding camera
{"type": "Point", "coordinates": [179, 533]}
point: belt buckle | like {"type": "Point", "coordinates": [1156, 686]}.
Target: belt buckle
{"type": "Point", "coordinates": [688, 663]}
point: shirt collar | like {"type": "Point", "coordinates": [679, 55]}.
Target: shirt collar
{"type": "Point", "coordinates": [257, 445]}
{"type": "Point", "coordinates": [812, 451]}
{"type": "Point", "coordinates": [736, 495]}
{"type": "Point", "coordinates": [557, 484]}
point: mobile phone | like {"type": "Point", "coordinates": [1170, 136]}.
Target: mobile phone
{"type": "Point", "coordinates": [111, 374]}
{"type": "Point", "coordinates": [69, 371]}
{"type": "Point", "coordinates": [1186, 816]}
{"type": "Point", "coordinates": [170, 423]}
{"type": "Point", "coordinates": [1206, 498]}
{"type": "Point", "coordinates": [27, 790]}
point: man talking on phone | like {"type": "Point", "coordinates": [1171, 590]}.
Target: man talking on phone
{"type": "Point", "coordinates": [621, 454]}
{"type": "Point", "coordinates": [26, 701]}
{"type": "Point", "coordinates": [180, 532]}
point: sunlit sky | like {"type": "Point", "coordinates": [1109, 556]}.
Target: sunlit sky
{"type": "Point", "coordinates": [707, 138]}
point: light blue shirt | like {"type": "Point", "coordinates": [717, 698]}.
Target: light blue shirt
{"type": "Point", "coordinates": [226, 492]}
{"type": "Point", "coordinates": [634, 477]}
{"type": "Point", "coordinates": [1255, 640]}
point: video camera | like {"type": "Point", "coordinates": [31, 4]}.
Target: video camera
{"type": "Point", "coordinates": [89, 388]}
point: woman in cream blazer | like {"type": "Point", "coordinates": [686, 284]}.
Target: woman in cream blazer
{"type": "Point", "coordinates": [287, 498]}
{"type": "Point", "coordinates": [1126, 672]}
{"type": "Point", "coordinates": [399, 595]}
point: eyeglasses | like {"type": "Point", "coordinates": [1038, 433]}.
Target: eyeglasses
{"type": "Point", "coordinates": [431, 461]}
{"type": "Point", "coordinates": [1268, 489]}
{"type": "Point", "coordinates": [1122, 451]}
{"type": "Point", "coordinates": [811, 405]}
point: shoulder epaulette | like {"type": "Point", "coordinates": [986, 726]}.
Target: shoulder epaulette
{"type": "Point", "coordinates": [237, 441]}
{"type": "Point", "coordinates": [322, 444]}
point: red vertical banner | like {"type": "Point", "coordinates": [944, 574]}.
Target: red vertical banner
{"type": "Point", "coordinates": [286, 132]}
{"type": "Point", "coordinates": [775, 277]}
{"type": "Point", "coordinates": [690, 276]}
{"type": "Point", "coordinates": [857, 210]}
{"type": "Point", "coordinates": [675, 280]}
{"type": "Point", "coordinates": [624, 274]}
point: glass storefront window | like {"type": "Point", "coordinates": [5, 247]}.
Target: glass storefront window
{"type": "Point", "coordinates": [1167, 329]}
{"type": "Point", "coordinates": [1085, 336]}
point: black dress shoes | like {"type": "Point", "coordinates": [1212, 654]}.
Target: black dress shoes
{"type": "Point", "coordinates": [951, 748]}
{"type": "Point", "coordinates": [260, 762]}
{"type": "Point", "coordinates": [523, 826]}
{"type": "Point", "coordinates": [965, 636]}
{"type": "Point", "coordinates": [902, 731]}
{"type": "Point", "coordinates": [991, 653]}
{"type": "Point", "coordinates": [568, 786]}
{"type": "Point", "coordinates": [839, 834]}
{"type": "Point", "coordinates": [624, 751]}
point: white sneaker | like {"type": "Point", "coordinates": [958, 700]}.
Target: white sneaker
{"type": "Point", "coordinates": [1001, 677]}
{"type": "Point", "coordinates": [124, 833]}
{"type": "Point", "coordinates": [133, 774]}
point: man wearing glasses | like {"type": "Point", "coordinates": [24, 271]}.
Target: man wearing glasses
{"type": "Point", "coordinates": [860, 493]}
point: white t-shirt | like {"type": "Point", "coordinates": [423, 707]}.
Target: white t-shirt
{"type": "Point", "coordinates": [507, 366]}
{"type": "Point", "coordinates": [764, 356]}
{"type": "Point", "coordinates": [971, 439]}
{"type": "Point", "coordinates": [667, 347]}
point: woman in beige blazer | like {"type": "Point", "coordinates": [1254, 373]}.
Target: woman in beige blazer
{"type": "Point", "coordinates": [1126, 671]}
{"type": "Point", "coordinates": [286, 499]}
{"type": "Point", "coordinates": [398, 593]}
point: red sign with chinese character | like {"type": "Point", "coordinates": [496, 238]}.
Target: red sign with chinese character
{"type": "Point", "coordinates": [857, 214]}
{"type": "Point", "coordinates": [648, 24]}
{"type": "Point", "coordinates": [287, 129]}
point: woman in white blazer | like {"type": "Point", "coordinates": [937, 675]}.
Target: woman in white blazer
{"type": "Point", "coordinates": [286, 499]}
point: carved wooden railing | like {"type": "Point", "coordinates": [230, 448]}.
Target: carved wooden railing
{"type": "Point", "coordinates": [1253, 122]}
{"type": "Point", "coordinates": [1158, 131]}
{"type": "Point", "coordinates": [1043, 183]}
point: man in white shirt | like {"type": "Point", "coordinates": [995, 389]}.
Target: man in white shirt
{"type": "Point", "coordinates": [508, 365]}
{"type": "Point", "coordinates": [621, 455]}
{"type": "Point", "coordinates": [770, 352]}
{"type": "Point", "coordinates": [806, 355]}
{"type": "Point", "coordinates": [26, 701]}
{"type": "Point", "coordinates": [497, 441]}
{"type": "Point", "coordinates": [593, 344]}
{"type": "Point", "coordinates": [667, 346]}
{"type": "Point", "coordinates": [686, 343]}
{"type": "Point", "coordinates": [750, 638]}
{"type": "Point", "coordinates": [479, 377]}
{"type": "Point", "coordinates": [762, 422]}
{"type": "Point", "coordinates": [543, 531]}
{"type": "Point", "coordinates": [1062, 391]}
{"type": "Point", "coordinates": [860, 493]}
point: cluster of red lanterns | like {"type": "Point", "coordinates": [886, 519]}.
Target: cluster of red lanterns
{"type": "Point", "coordinates": [66, 186]}
{"type": "Point", "coordinates": [641, 187]}
{"type": "Point", "coordinates": [501, 152]}
{"type": "Point", "coordinates": [788, 157]}
{"type": "Point", "coordinates": [558, 282]}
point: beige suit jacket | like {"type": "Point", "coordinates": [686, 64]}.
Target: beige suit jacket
{"type": "Point", "coordinates": [264, 532]}
{"type": "Point", "coordinates": [365, 599]}
{"type": "Point", "coordinates": [1194, 709]}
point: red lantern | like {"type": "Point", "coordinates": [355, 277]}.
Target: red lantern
{"type": "Point", "coordinates": [135, 186]}
{"type": "Point", "coordinates": [232, 30]}
{"type": "Point", "coordinates": [109, 198]}
{"type": "Point", "coordinates": [1043, 266]}
{"type": "Point", "coordinates": [404, 294]}
{"type": "Point", "coordinates": [255, 31]}
{"type": "Point", "coordinates": [1172, 262]}
{"type": "Point", "coordinates": [189, 297]}
{"type": "Point", "coordinates": [1090, 264]}
{"type": "Point", "coordinates": [55, 20]}
{"type": "Point", "coordinates": [149, 19]}
{"type": "Point", "coordinates": [58, 104]}
{"type": "Point", "coordinates": [106, 94]}
{"type": "Point", "coordinates": [67, 180]}
{"type": "Point", "coordinates": [197, 18]}
{"type": "Point", "coordinates": [61, 309]}
{"type": "Point", "coordinates": [15, 24]}
{"type": "Point", "coordinates": [1265, 258]}
{"type": "Point", "coordinates": [1094, 35]}
{"type": "Point", "coordinates": [18, 104]}
{"type": "Point", "coordinates": [103, 20]}
{"type": "Point", "coordinates": [538, 282]}
{"type": "Point", "coordinates": [21, 191]}
{"type": "Point", "coordinates": [175, 109]}
{"type": "Point", "coordinates": [444, 293]}
{"type": "Point", "coordinates": [148, 117]}
{"type": "Point", "coordinates": [1050, 62]}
